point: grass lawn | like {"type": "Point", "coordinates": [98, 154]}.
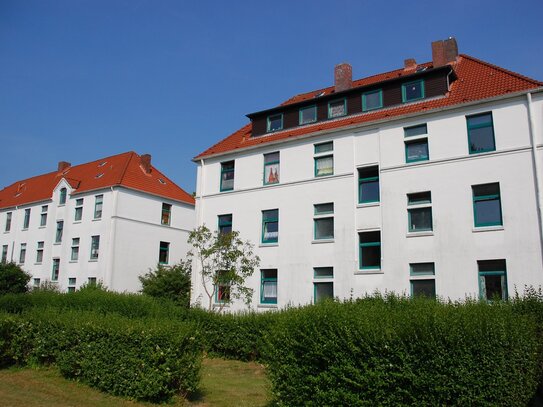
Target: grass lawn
{"type": "Point", "coordinates": [224, 383]}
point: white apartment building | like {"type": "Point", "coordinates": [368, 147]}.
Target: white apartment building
{"type": "Point", "coordinates": [423, 180]}
{"type": "Point", "coordinates": [109, 220]}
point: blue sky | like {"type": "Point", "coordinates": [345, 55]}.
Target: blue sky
{"type": "Point", "coordinates": [85, 79]}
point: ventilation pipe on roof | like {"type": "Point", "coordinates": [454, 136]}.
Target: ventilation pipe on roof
{"type": "Point", "coordinates": [444, 52]}
{"type": "Point", "coordinates": [343, 77]}
{"type": "Point", "coordinates": [145, 162]}
{"type": "Point", "coordinates": [62, 165]}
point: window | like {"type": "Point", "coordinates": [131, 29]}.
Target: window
{"type": "Point", "coordinates": [275, 123]}
{"type": "Point", "coordinates": [492, 279]}
{"type": "Point", "coordinates": [227, 176]}
{"type": "Point", "coordinates": [92, 281]}
{"type": "Point", "coordinates": [372, 100]}
{"type": "Point", "coordinates": [308, 115]}
{"type": "Point", "coordinates": [95, 247]}
{"type": "Point", "coordinates": [222, 292]}
{"type": "Point", "coordinates": [71, 284]}
{"type": "Point", "coordinates": [324, 221]}
{"type": "Point", "coordinates": [75, 249]}
{"type": "Point", "coordinates": [26, 221]}
{"type": "Point", "coordinates": [417, 130]}
{"type": "Point", "coordinates": [270, 226]}
{"type": "Point", "coordinates": [225, 224]}
{"type": "Point", "coordinates": [60, 227]}
{"type": "Point", "coordinates": [166, 214]}
{"type": "Point", "coordinates": [271, 168]}
{"type": "Point", "coordinates": [323, 290]}
{"type": "Point", "coordinates": [419, 211]}
{"type": "Point", "coordinates": [8, 222]}
{"type": "Point", "coordinates": [324, 162]}
{"type": "Point", "coordinates": [370, 250]}
{"type": "Point", "coordinates": [337, 108]}
{"type": "Point", "coordinates": [416, 150]}
{"type": "Point", "coordinates": [43, 217]}
{"type": "Point", "coordinates": [268, 286]}
{"type": "Point", "coordinates": [62, 197]}
{"type": "Point", "coordinates": [422, 280]}
{"type": "Point", "coordinates": [487, 210]}
{"type": "Point", "coordinates": [39, 252]}
{"type": "Point", "coordinates": [4, 253]}
{"type": "Point", "coordinates": [164, 252]}
{"type": "Point", "coordinates": [323, 272]}
{"type": "Point", "coordinates": [56, 269]}
{"type": "Point", "coordinates": [36, 283]}
{"type": "Point", "coordinates": [480, 133]}
{"type": "Point", "coordinates": [98, 204]}
{"type": "Point", "coordinates": [78, 209]}
{"type": "Point", "coordinates": [368, 184]}
{"type": "Point", "coordinates": [413, 91]}
{"type": "Point", "coordinates": [22, 253]}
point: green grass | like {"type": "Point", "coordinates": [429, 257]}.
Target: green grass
{"type": "Point", "coordinates": [224, 383]}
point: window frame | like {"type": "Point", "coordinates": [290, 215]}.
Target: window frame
{"type": "Point", "coordinates": [321, 283]}
{"type": "Point", "coordinates": [9, 217]}
{"type": "Point", "coordinates": [404, 91]}
{"type": "Point", "coordinates": [166, 210]}
{"type": "Point", "coordinates": [22, 253]}
{"type": "Point", "coordinates": [265, 222]}
{"type": "Point", "coordinates": [369, 244]}
{"type": "Point", "coordinates": [228, 170]}
{"type": "Point", "coordinates": [164, 247]}
{"type": "Point", "coordinates": [98, 206]}
{"type": "Point", "coordinates": [481, 198]}
{"type": "Point", "coordinates": [300, 115]}
{"type": "Point", "coordinates": [270, 118]}
{"type": "Point", "coordinates": [55, 269]}
{"type": "Point", "coordinates": [422, 140]}
{"type": "Point", "coordinates": [223, 222]}
{"type": "Point", "coordinates": [95, 247]}
{"type": "Point", "coordinates": [418, 206]}
{"type": "Point", "coordinates": [76, 242]}
{"type": "Point", "coordinates": [272, 163]}
{"type": "Point", "coordinates": [227, 287]}
{"type": "Point", "coordinates": [39, 251]}
{"type": "Point", "coordinates": [26, 219]}
{"type": "Point", "coordinates": [501, 273]}
{"type": "Point", "coordinates": [409, 129]}
{"type": "Point", "coordinates": [318, 155]}
{"type": "Point", "coordinates": [344, 100]}
{"type": "Point", "coordinates": [263, 281]}
{"type": "Point", "coordinates": [320, 215]}
{"type": "Point", "coordinates": [78, 215]}
{"type": "Point", "coordinates": [367, 180]}
{"type": "Point", "coordinates": [4, 257]}
{"type": "Point", "coordinates": [59, 231]}
{"type": "Point", "coordinates": [63, 194]}
{"type": "Point", "coordinates": [365, 103]}
{"type": "Point", "coordinates": [480, 126]}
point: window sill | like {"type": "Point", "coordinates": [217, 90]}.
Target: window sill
{"type": "Point", "coordinates": [57, 243]}
{"type": "Point", "coordinates": [61, 205]}
{"type": "Point", "coordinates": [76, 222]}
{"type": "Point", "coordinates": [96, 219]}
{"type": "Point", "coordinates": [368, 204]}
{"type": "Point", "coordinates": [38, 264]}
{"type": "Point", "coordinates": [323, 176]}
{"type": "Point", "coordinates": [73, 261]}
{"type": "Point", "coordinates": [487, 228]}
{"type": "Point", "coordinates": [93, 261]}
{"type": "Point", "coordinates": [268, 244]}
{"type": "Point", "coordinates": [24, 229]}
{"type": "Point", "coordinates": [367, 272]}
{"type": "Point", "coordinates": [318, 241]}
{"type": "Point", "coordinates": [421, 233]}
{"type": "Point", "coordinates": [269, 306]}
{"type": "Point", "coordinates": [42, 227]}
{"type": "Point", "coordinates": [7, 232]}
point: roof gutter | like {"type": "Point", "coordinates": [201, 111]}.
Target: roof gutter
{"type": "Point", "coordinates": [375, 122]}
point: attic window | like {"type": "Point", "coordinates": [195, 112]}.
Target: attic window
{"type": "Point", "coordinates": [102, 164]}
{"type": "Point", "coordinates": [162, 181]}
{"type": "Point", "coordinates": [99, 175]}
{"type": "Point", "coordinates": [275, 123]}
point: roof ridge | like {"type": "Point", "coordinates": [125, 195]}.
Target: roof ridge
{"type": "Point", "coordinates": [499, 68]}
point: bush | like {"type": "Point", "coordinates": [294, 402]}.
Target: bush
{"type": "Point", "coordinates": [173, 283]}
{"type": "Point", "coordinates": [13, 279]}
{"type": "Point", "coordinates": [396, 351]}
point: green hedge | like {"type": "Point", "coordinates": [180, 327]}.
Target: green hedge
{"type": "Point", "coordinates": [147, 359]}
{"type": "Point", "coordinates": [392, 351]}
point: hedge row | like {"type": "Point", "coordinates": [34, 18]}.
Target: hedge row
{"type": "Point", "coordinates": [391, 352]}
{"type": "Point", "coordinates": [141, 359]}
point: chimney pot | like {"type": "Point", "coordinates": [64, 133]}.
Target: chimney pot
{"type": "Point", "coordinates": [343, 77]}
{"type": "Point", "coordinates": [62, 165]}
{"type": "Point", "coordinates": [444, 52]}
{"type": "Point", "coordinates": [145, 162]}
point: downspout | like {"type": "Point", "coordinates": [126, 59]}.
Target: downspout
{"type": "Point", "coordinates": [196, 292]}
{"type": "Point", "coordinates": [200, 194]}
{"type": "Point", "coordinates": [537, 167]}
{"type": "Point", "coordinates": [108, 276]}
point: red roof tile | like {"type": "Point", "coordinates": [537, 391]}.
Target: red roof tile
{"type": "Point", "coordinates": [476, 80]}
{"type": "Point", "coordinates": [118, 170]}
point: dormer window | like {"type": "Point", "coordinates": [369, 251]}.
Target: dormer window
{"type": "Point", "coordinates": [62, 197]}
{"type": "Point", "coordinates": [308, 115]}
{"type": "Point", "coordinates": [337, 108]}
{"type": "Point", "coordinates": [275, 123]}
{"type": "Point", "coordinates": [372, 100]}
{"type": "Point", "coordinates": [413, 91]}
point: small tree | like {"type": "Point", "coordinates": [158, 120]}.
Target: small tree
{"type": "Point", "coordinates": [168, 282]}
{"type": "Point", "coordinates": [13, 279]}
{"type": "Point", "coordinates": [225, 262]}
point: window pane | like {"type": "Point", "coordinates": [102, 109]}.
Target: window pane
{"type": "Point", "coordinates": [419, 198]}
{"type": "Point", "coordinates": [481, 139]}
{"type": "Point", "coordinates": [420, 219]}
{"type": "Point", "coordinates": [422, 269]}
{"type": "Point", "coordinates": [324, 166]}
{"type": "Point", "coordinates": [426, 288]}
{"type": "Point", "coordinates": [371, 256]}
{"type": "Point", "coordinates": [494, 287]}
{"type": "Point", "coordinates": [491, 265]}
{"type": "Point", "coordinates": [480, 119]}
{"type": "Point", "coordinates": [488, 212]}
{"type": "Point", "coordinates": [271, 231]}
{"type": "Point", "coordinates": [413, 91]}
{"type": "Point", "coordinates": [323, 291]}
{"type": "Point", "coordinates": [324, 228]}
{"type": "Point", "coordinates": [324, 208]}
{"type": "Point", "coordinates": [271, 173]}
{"type": "Point", "coordinates": [273, 214]}
{"type": "Point", "coordinates": [417, 150]}
{"type": "Point", "coordinates": [323, 147]}
{"type": "Point", "coordinates": [308, 115]}
{"type": "Point", "coordinates": [271, 158]}
{"type": "Point", "coordinates": [372, 100]}
{"type": "Point", "coordinates": [415, 130]}
{"type": "Point", "coordinates": [369, 191]}
{"type": "Point", "coordinates": [323, 272]}
{"type": "Point", "coordinates": [486, 189]}
{"type": "Point", "coordinates": [336, 109]}
{"type": "Point", "coordinates": [275, 122]}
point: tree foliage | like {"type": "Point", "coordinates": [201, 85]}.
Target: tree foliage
{"type": "Point", "coordinates": [224, 263]}
{"type": "Point", "coordinates": [13, 279]}
{"type": "Point", "coordinates": [168, 282]}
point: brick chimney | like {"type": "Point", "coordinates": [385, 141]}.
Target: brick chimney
{"type": "Point", "coordinates": [343, 77]}
{"type": "Point", "coordinates": [145, 162]}
{"type": "Point", "coordinates": [444, 52]}
{"type": "Point", "coordinates": [409, 64]}
{"type": "Point", "coordinates": [62, 165]}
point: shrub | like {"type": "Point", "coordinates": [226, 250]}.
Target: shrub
{"type": "Point", "coordinates": [13, 279]}
{"type": "Point", "coordinates": [173, 283]}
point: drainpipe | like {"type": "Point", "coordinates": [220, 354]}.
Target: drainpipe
{"type": "Point", "coordinates": [200, 195]}
{"type": "Point", "coordinates": [537, 167]}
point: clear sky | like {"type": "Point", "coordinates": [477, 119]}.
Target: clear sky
{"type": "Point", "coordinates": [85, 79]}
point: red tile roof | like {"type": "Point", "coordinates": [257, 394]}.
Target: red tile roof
{"type": "Point", "coordinates": [476, 80]}
{"type": "Point", "coordinates": [118, 170]}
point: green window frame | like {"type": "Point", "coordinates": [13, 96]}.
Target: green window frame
{"type": "Point", "coordinates": [62, 197]}
{"type": "Point", "coordinates": [166, 214]}
{"type": "Point", "coordinates": [268, 286]}
{"type": "Point", "coordinates": [417, 130]}
{"type": "Point", "coordinates": [26, 221]}
{"type": "Point", "coordinates": [323, 160]}
{"type": "Point", "coordinates": [4, 253]}
{"type": "Point", "coordinates": [95, 247]}
{"type": "Point", "coordinates": [59, 232]}
{"type": "Point", "coordinates": [22, 253]}
{"type": "Point", "coordinates": [270, 226]}
{"type": "Point", "coordinates": [271, 168]}
{"type": "Point", "coordinates": [43, 217]}
{"type": "Point", "coordinates": [78, 210]}
{"type": "Point", "coordinates": [487, 208]}
{"type": "Point", "coordinates": [75, 249]}
{"type": "Point", "coordinates": [331, 107]}
{"type": "Point", "coordinates": [225, 223]}
{"type": "Point", "coordinates": [365, 95]}
{"type": "Point", "coordinates": [8, 222]}
{"type": "Point", "coordinates": [98, 206]}
{"type": "Point", "coordinates": [419, 212]}
{"type": "Point", "coordinates": [164, 252]}
{"type": "Point", "coordinates": [406, 92]}
{"type": "Point", "coordinates": [39, 252]}
{"type": "Point", "coordinates": [55, 270]}
{"type": "Point", "coordinates": [368, 185]}
{"type": "Point", "coordinates": [481, 137]}
{"type": "Point", "coordinates": [492, 279]}
{"type": "Point", "coordinates": [416, 150]}
{"type": "Point", "coordinates": [223, 288]}
{"type": "Point", "coordinates": [422, 269]}
{"type": "Point", "coordinates": [369, 250]}
{"type": "Point", "coordinates": [424, 287]}
{"type": "Point", "coordinates": [323, 223]}
{"type": "Point", "coordinates": [323, 272]}
{"type": "Point", "coordinates": [274, 123]}
{"type": "Point", "coordinates": [227, 176]}
{"type": "Point", "coordinates": [323, 290]}
{"type": "Point", "coordinates": [312, 109]}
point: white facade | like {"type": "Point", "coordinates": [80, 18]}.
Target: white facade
{"type": "Point", "coordinates": [129, 229]}
{"type": "Point", "coordinates": [455, 244]}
